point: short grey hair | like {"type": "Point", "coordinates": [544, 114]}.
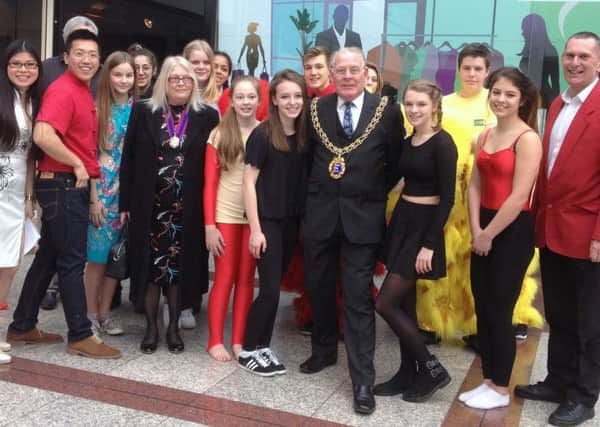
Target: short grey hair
{"type": "Point", "coordinates": [347, 50]}
{"type": "Point", "coordinates": [159, 94]}
{"type": "Point", "coordinates": [76, 23]}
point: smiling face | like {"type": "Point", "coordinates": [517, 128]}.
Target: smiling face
{"type": "Point", "coordinates": [244, 99]}
{"type": "Point", "coordinates": [472, 73]}
{"type": "Point", "coordinates": [372, 80]}
{"type": "Point", "coordinates": [83, 59]}
{"type": "Point", "coordinates": [222, 71]}
{"type": "Point", "coordinates": [288, 99]}
{"type": "Point", "coordinates": [179, 86]}
{"type": "Point", "coordinates": [202, 66]}
{"type": "Point", "coordinates": [316, 72]}
{"type": "Point", "coordinates": [505, 98]}
{"type": "Point", "coordinates": [143, 70]}
{"type": "Point", "coordinates": [349, 75]}
{"type": "Point", "coordinates": [122, 78]}
{"type": "Point", "coordinates": [22, 71]}
{"type": "Point", "coordinates": [419, 110]}
{"type": "Point", "coordinates": [581, 63]}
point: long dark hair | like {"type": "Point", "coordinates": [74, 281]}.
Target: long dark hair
{"type": "Point", "coordinates": [9, 129]}
{"type": "Point", "coordinates": [274, 126]}
{"type": "Point", "coordinates": [530, 95]}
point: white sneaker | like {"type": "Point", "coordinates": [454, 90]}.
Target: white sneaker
{"type": "Point", "coordinates": [5, 358]}
{"type": "Point", "coordinates": [488, 399]}
{"type": "Point", "coordinates": [187, 319]}
{"type": "Point", "coordinates": [111, 327]}
{"type": "Point", "coordinates": [463, 397]}
{"type": "Point", "coordinates": [4, 346]}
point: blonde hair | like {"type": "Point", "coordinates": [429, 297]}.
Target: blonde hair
{"type": "Point", "coordinates": [435, 94]}
{"type": "Point", "coordinates": [159, 94]}
{"type": "Point", "coordinates": [210, 91]}
{"type": "Point", "coordinates": [106, 96]}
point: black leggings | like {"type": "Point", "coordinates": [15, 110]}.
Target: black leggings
{"type": "Point", "coordinates": [496, 283]}
{"type": "Point", "coordinates": [281, 238]}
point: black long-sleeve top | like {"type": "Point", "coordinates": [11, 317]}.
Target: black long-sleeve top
{"type": "Point", "coordinates": [430, 170]}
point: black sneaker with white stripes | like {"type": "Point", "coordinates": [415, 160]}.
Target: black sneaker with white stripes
{"type": "Point", "coordinates": [268, 355]}
{"type": "Point", "coordinates": [253, 361]}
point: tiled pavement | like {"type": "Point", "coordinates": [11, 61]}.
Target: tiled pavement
{"type": "Point", "coordinates": [45, 386]}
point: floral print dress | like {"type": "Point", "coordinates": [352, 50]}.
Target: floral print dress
{"type": "Point", "coordinates": [101, 239]}
{"type": "Point", "coordinates": [167, 215]}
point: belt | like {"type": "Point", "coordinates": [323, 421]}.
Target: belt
{"type": "Point", "coordinates": [55, 175]}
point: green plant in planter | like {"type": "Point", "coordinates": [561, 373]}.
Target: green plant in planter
{"type": "Point", "coordinates": [304, 26]}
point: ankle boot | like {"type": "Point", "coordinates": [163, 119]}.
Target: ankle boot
{"type": "Point", "coordinates": [431, 376]}
{"type": "Point", "coordinates": [400, 382]}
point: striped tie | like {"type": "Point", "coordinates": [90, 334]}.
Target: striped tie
{"type": "Point", "coordinates": [347, 125]}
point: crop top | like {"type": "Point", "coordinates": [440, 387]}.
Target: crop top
{"type": "Point", "coordinates": [429, 169]}
{"type": "Point", "coordinates": [496, 172]}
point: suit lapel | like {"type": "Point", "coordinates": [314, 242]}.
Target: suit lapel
{"type": "Point", "coordinates": [555, 108]}
{"type": "Point", "coordinates": [155, 123]}
{"type": "Point", "coordinates": [369, 106]}
{"type": "Point", "coordinates": [576, 129]}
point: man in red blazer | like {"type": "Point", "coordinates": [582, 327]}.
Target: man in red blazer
{"type": "Point", "coordinates": [567, 223]}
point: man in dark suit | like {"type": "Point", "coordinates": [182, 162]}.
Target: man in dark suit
{"type": "Point", "coordinates": [355, 138]}
{"type": "Point", "coordinates": [338, 36]}
{"type": "Point", "coordinates": [567, 223]}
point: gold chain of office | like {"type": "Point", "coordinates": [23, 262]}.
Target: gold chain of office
{"type": "Point", "coordinates": [337, 166]}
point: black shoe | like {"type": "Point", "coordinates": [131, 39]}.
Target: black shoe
{"type": "Point", "coordinates": [431, 377]}
{"type": "Point", "coordinates": [253, 361]}
{"type": "Point", "coordinates": [521, 331]}
{"type": "Point", "coordinates": [429, 337]}
{"type": "Point", "coordinates": [306, 329]}
{"type": "Point", "coordinates": [364, 400]}
{"type": "Point", "coordinates": [315, 364]}
{"type": "Point", "coordinates": [174, 341]}
{"type": "Point", "coordinates": [472, 341]}
{"type": "Point", "coordinates": [50, 300]}
{"type": "Point", "coordinates": [539, 391]}
{"type": "Point", "coordinates": [150, 341]}
{"type": "Point", "coordinates": [399, 383]}
{"type": "Point", "coordinates": [570, 414]}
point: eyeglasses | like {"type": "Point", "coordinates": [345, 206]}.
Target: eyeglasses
{"type": "Point", "coordinates": [16, 65]}
{"type": "Point", "coordinates": [80, 54]}
{"type": "Point", "coordinates": [354, 71]}
{"type": "Point", "coordinates": [187, 80]}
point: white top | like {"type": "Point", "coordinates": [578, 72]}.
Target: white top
{"type": "Point", "coordinates": [564, 120]}
{"type": "Point", "coordinates": [356, 105]}
{"type": "Point", "coordinates": [341, 38]}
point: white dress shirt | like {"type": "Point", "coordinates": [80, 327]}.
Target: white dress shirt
{"type": "Point", "coordinates": [357, 104]}
{"type": "Point", "coordinates": [564, 120]}
{"type": "Point", "coordinates": [341, 38]}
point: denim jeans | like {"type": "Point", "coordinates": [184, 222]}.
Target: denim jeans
{"type": "Point", "coordinates": [62, 250]}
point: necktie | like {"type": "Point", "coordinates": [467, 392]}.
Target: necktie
{"type": "Point", "coordinates": [347, 125]}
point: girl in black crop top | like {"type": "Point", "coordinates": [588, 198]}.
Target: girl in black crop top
{"type": "Point", "coordinates": [414, 246]}
{"type": "Point", "coordinates": [273, 190]}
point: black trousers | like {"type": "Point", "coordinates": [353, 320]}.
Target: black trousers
{"type": "Point", "coordinates": [572, 304]}
{"type": "Point", "coordinates": [496, 281]}
{"type": "Point", "coordinates": [281, 236]}
{"type": "Point", "coordinates": [322, 259]}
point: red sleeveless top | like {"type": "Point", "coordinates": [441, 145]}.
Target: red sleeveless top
{"type": "Point", "coordinates": [496, 171]}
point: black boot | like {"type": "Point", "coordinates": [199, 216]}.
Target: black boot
{"type": "Point", "coordinates": [399, 383]}
{"type": "Point", "coordinates": [431, 376]}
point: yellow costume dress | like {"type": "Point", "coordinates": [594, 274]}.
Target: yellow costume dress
{"type": "Point", "coordinates": [446, 305]}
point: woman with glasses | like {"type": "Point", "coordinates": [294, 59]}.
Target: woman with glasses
{"type": "Point", "coordinates": [146, 67]}
{"type": "Point", "coordinates": [162, 179]}
{"type": "Point", "coordinates": [20, 69]}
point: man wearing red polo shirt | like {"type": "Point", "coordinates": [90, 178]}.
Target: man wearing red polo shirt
{"type": "Point", "coordinates": [66, 131]}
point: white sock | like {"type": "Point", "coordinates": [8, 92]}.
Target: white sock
{"type": "Point", "coordinates": [245, 353]}
{"type": "Point", "coordinates": [488, 399]}
{"type": "Point", "coordinates": [463, 397]}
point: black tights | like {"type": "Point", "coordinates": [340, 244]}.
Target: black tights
{"type": "Point", "coordinates": [151, 304]}
{"type": "Point", "coordinates": [397, 304]}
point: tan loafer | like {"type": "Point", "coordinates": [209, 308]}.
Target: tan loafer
{"type": "Point", "coordinates": [94, 348]}
{"type": "Point", "coordinates": [35, 336]}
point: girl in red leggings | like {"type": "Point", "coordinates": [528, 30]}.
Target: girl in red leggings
{"type": "Point", "coordinates": [227, 229]}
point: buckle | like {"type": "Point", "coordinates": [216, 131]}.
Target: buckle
{"type": "Point", "coordinates": [46, 175]}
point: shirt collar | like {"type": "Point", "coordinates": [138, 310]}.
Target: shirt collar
{"type": "Point", "coordinates": [338, 34]}
{"type": "Point", "coordinates": [358, 101]}
{"type": "Point", "coordinates": [581, 96]}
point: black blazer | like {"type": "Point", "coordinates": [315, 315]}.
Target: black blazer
{"type": "Point", "coordinates": [359, 196]}
{"type": "Point", "coordinates": [138, 174]}
{"type": "Point", "coordinates": [329, 40]}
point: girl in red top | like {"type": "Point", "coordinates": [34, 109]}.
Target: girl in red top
{"type": "Point", "coordinates": [507, 162]}
{"type": "Point", "coordinates": [227, 229]}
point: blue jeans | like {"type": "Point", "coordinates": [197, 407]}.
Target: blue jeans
{"type": "Point", "coordinates": [62, 250]}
